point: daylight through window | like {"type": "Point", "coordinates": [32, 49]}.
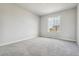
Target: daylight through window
{"type": "Point", "coordinates": [54, 24]}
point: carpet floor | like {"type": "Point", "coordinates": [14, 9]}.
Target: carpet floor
{"type": "Point", "coordinates": [40, 47]}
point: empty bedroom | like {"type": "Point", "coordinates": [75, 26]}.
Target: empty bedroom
{"type": "Point", "coordinates": [39, 29]}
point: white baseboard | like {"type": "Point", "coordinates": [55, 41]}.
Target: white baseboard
{"type": "Point", "coordinates": [65, 39]}
{"type": "Point", "coordinates": [29, 37]}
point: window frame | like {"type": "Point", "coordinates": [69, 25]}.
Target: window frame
{"type": "Point", "coordinates": [59, 21]}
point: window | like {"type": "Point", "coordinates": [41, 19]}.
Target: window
{"type": "Point", "coordinates": [54, 24]}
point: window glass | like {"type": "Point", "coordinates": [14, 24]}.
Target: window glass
{"type": "Point", "coordinates": [54, 24]}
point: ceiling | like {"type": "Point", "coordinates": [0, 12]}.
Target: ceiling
{"type": "Point", "coordinates": [46, 8]}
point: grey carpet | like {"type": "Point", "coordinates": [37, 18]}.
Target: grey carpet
{"type": "Point", "coordinates": [40, 47]}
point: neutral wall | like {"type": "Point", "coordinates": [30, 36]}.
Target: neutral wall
{"type": "Point", "coordinates": [17, 24]}
{"type": "Point", "coordinates": [78, 24]}
{"type": "Point", "coordinates": [68, 25]}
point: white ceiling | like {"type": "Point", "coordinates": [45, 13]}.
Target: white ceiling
{"type": "Point", "coordinates": [46, 8]}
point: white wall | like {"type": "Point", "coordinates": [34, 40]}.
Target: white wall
{"type": "Point", "coordinates": [68, 25]}
{"type": "Point", "coordinates": [78, 24]}
{"type": "Point", "coordinates": [16, 24]}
